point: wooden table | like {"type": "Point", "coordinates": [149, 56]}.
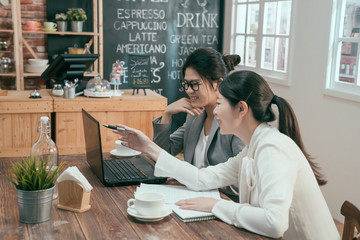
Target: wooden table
{"type": "Point", "coordinates": [107, 218]}
{"type": "Point", "coordinates": [136, 111]}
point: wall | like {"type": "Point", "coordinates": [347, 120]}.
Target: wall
{"type": "Point", "coordinates": [330, 126]}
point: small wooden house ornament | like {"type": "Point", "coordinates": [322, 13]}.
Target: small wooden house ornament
{"type": "Point", "coordinates": [73, 197]}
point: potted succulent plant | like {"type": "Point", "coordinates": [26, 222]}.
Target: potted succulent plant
{"type": "Point", "coordinates": [34, 181]}
{"type": "Point", "coordinates": [77, 16]}
{"type": "Point", "coordinates": [61, 20]}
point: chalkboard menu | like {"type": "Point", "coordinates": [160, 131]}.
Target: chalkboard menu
{"type": "Point", "coordinates": [139, 71]}
{"type": "Point", "coordinates": [165, 30]}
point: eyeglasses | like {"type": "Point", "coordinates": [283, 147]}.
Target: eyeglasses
{"type": "Point", "coordinates": [193, 84]}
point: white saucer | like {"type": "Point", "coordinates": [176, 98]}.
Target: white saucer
{"type": "Point", "coordinates": [132, 212]}
{"type": "Point", "coordinates": [49, 29]}
{"type": "Point", "coordinates": [124, 153]}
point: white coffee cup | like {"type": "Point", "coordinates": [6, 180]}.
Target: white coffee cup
{"type": "Point", "coordinates": [147, 204]}
{"type": "Point", "coordinates": [121, 148]}
{"type": "Point", "coordinates": [50, 25]}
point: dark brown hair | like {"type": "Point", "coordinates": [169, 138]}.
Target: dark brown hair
{"type": "Point", "coordinates": [210, 64]}
{"type": "Point", "coordinates": [254, 90]}
{"type": "Point", "coordinates": [231, 61]}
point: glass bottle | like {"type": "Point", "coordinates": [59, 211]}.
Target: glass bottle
{"type": "Point", "coordinates": [45, 148]}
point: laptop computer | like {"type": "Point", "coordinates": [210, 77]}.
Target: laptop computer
{"type": "Point", "coordinates": [115, 171]}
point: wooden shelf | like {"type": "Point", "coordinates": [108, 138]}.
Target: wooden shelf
{"type": "Point", "coordinates": [20, 42]}
{"type": "Point", "coordinates": [12, 74]}
{"type": "Point", "coordinates": [14, 40]}
{"type": "Point", "coordinates": [63, 33]}
{"type": "Point", "coordinates": [93, 74]}
{"type": "Point", "coordinates": [6, 31]}
{"type": "Point", "coordinates": [32, 74]}
{"type": "Point", "coordinates": [39, 74]}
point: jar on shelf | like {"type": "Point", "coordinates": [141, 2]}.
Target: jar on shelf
{"type": "Point", "coordinates": [5, 63]}
{"type": "Point", "coordinates": [57, 90]}
{"type": "Point", "coordinates": [5, 47]}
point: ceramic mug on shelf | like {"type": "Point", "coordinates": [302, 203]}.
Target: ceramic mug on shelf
{"type": "Point", "coordinates": [147, 204]}
{"type": "Point", "coordinates": [49, 25]}
{"type": "Point", "coordinates": [32, 25]}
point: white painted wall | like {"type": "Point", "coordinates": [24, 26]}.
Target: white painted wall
{"type": "Point", "coordinates": [330, 126]}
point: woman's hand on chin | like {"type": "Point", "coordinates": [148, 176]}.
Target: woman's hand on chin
{"type": "Point", "coordinates": [181, 105]}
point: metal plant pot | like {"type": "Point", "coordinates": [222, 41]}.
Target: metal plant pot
{"type": "Point", "coordinates": [62, 26]}
{"type": "Point", "coordinates": [35, 206]}
{"type": "Point", "coordinates": [77, 26]}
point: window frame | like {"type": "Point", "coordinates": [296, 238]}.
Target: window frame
{"type": "Point", "coordinates": [332, 86]}
{"type": "Point", "coordinates": [282, 78]}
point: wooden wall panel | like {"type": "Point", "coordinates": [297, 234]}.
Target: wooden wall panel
{"type": "Point", "coordinates": [70, 135]}
{"type": "Point", "coordinates": [136, 111]}
{"type": "Point", "coordinates": [5, 124]}
{"type": "Point", "coordinates": [18, 133]}
{"type": "Point", "coordinates": [19, 118]}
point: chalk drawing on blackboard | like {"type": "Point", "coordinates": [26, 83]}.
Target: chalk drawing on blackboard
{"type": "Point", "coordinates": [156, 72]}
{"type": "Point", "coordinates": [139, 72]}
{"type": "Point", "coordinates": [201, 4]}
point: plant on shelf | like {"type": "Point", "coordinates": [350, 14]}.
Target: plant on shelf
{"type": "Point", "coordinates": [61, 20]}
{"type": "Point", "coordinates": [34, 181]}
{"type": "Point", "coordinates": [77, 16]}
{"type": "Point", "coordinates": [61, 17]}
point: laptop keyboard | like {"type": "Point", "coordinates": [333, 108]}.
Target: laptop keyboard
{"type": "Point", "coordinates": [124, 170]}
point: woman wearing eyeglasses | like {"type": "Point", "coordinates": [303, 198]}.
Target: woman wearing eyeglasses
{"type": "Point", "coordinates": [278, 181]}
{"type": "Point", "coordinates": [199, 137]}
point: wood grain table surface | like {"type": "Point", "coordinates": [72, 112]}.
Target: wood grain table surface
{"type": "Point", "coordinates": [107, 218]}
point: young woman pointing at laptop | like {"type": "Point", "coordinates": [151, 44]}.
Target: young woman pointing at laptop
{"type": "Point", "coordinates": [278, 182]}
{"type": "Point", "coordinates": [199, 137]}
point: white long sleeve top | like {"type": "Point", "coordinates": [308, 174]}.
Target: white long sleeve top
{"type": "Point", "coordinates": [279, 194]}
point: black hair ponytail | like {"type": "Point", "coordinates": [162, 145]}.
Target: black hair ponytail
{"type": "Point", "coordinates": [250, 87]}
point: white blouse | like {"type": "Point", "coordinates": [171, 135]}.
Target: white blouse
{"type": "Point", "coordinates": [279, 195]}
{"type": "Point", "coordinates": [199, 154]}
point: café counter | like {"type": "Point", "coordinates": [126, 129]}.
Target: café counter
{"type": "Point", "coordinates": [19, 116]}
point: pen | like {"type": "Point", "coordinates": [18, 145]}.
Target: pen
{"type": "Point", "coordinates": [116, 128]}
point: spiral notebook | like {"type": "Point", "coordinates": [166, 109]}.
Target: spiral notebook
{"type": "Point", "coordinates": [192, 216]}
{"type": "Point", "coordinates": [176, 193]}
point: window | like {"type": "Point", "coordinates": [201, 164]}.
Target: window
{"type": "Point", "coordinates": [343, 78]}
{"type": "Point", "coordinates": [261, 36]}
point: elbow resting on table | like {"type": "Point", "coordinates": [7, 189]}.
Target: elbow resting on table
{"type": "Point", "coordinates": [277, 225]}
{"type": "Point", "coordinates": [276, 233]}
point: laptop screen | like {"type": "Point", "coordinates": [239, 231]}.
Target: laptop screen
{"type": "Point", "coordinates": [93, 144]}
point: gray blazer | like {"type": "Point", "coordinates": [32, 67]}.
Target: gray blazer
{"type": "Point", "coordinates": [219, 148]}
